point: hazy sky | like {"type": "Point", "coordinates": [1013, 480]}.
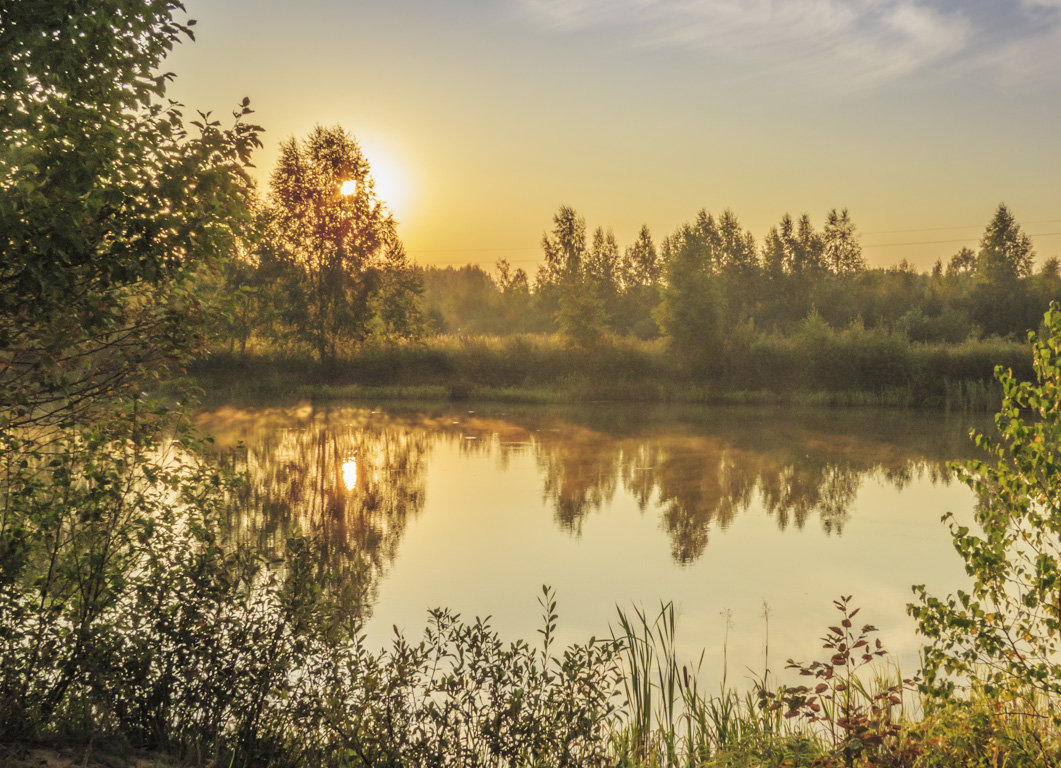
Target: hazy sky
{"type": "Point", "coordinates": [481, 117]}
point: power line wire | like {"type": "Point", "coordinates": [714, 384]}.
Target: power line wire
{"type": "Point", "coordinates": [939, 242]}
{"type": "Point", "coordinates": [942, 229]}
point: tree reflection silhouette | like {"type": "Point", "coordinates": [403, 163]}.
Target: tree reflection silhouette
{"type": "Point", "coordinates": [297, 470]}
{"type": "Point", "coordinates": [353, 479]}
{"type": "Point", "coordinates": [579, 469]}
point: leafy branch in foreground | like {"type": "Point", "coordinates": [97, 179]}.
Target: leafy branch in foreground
{"type": "Point", "coordinates": [863, 726]}
{"type": "Point", "coordinates": [111, 206]}
{"type": "Point", "coordinates": [1005, 632]}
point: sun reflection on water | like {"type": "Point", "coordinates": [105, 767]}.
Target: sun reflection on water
{"type": "Point", "coordinates": [350, 473]}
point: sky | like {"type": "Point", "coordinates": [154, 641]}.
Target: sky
{"type": "Point", "coordinates": [481, 117]}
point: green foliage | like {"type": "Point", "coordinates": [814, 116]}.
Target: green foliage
{"type": "Point", "coordinates": [395, 307]}
{"type": "Point", "coordinates": [692, 311]}
{"type": "Point", "coordinates": [112, 210]}
{"type": "Point", "coordinates": [983, 730]}
{"type": "Point", "coordinates": [1005, 630]}
{"type": "Point", "coordinates": [580, 320]}
{"type": "Point", "coordinates": [110, 205]}
{"type": "Point", "coordinates": [345, 271]}
{"type": "Point", "coordinates": [1005, 249]}
{"type": "Point", "coordinates": [863, 726]}
{"type": "Point", "coordinates": [720, 283]}
{"type": "Point", "coordinates": [117, 598]}
{"type": "Point", "coordinates": [462, 697]}
{"type": "Point", "coordinates": [126, 617]}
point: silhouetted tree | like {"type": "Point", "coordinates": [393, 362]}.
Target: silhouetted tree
{"type": "Point", "coordinates": [641, 266]}
{"type": "Point", "coordinates": [692, 312]}
{"type": "Point", "coordinates": [517, 309]}
{"type": "Point", "coordinates": [641, 274]}
{"type": "Point", "coordinates": [841, 249]}
{"type": "Point", "coordinates": [509, 281]}
{"type": "Point", "coordinates": [793, 248]}
{"type": "Point", "coordinates": [1005, 249]}
{"type": "Point", "coordinates": [808, 250]}
{"type": "Point", "coordinates": [565, 250]}
{"type": "Point", "coordinates": [736, 247]}
{"type": "Point", "coordinates": [962, 263]}
{"type": "Point", "coordinates": [341, 243]}
{"type": "Point", "coordinates": [1000, 301]}
{"type": "Point", "coordinates": [572, 278]}
{"type": "Point", "coordinates": [603, 272]}
{"type": "Point", "coordinates": [602, 262]}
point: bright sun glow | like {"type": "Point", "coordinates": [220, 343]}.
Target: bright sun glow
{"type": "Point", "coordinates": [391, 178]}
{"type": "Point", "coordinates": [349, 187]}
{"type": "Point", "coordinates": [350, 473]}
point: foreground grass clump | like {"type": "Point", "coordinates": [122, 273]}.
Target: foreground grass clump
{"type": "Point", "coordinates": [670, 721]}
{"type": "Point", "coordinates": [854, 711]}
{"type": "Point", "coordinates": [986, 729]}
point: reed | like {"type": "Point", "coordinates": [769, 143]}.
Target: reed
{"type": "Point", "coordinates": [812, 364]}
{"type": "Point", "coordinates": [671, 722]}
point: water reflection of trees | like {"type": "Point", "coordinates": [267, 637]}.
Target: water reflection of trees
{"type": "Point", "coordinates": [698, 474]}
{"type": "Point", "coordinates": [346, 482]}
{"type": "Point", "coordinates": [696, 482]}
{"type": "Point", "coordinates": [579, 472]}
{"type": "Point", "coordinates": [697, 470]}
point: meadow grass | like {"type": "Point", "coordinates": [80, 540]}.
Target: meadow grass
{"type": "Point", "coordinates": [817, 366]}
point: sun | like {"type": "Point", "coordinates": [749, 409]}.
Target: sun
{"type": "Point", "coordinates": [391, 178]}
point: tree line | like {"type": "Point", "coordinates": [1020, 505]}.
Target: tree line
{"type": "Point", "coordinates": [324, 271]}
{"type": "Point", "coordinates": [710, 277]}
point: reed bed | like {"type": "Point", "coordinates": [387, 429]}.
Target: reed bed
{"type": "Point", "coordinates": [813, 365]}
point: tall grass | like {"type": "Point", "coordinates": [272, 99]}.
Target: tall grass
{"type": "Point", "coordinates": [670, 721]}
{"type": "Point", "coordinates": [813, 364]}
{"type": "Point", "coordinates": [858, 713]}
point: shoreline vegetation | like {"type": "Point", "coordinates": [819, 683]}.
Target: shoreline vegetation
{"type": "Point", "coordinates": [814, 367]}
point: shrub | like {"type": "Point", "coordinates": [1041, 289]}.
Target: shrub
{"type": "Point", "coordinates": [1006, 630]}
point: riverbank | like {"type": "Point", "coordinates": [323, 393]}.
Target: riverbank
{"type": "Point", "coordinates": [851, 367]}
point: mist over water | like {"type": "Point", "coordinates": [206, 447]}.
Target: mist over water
{"type": "Point", "coordinates": [752, 520]}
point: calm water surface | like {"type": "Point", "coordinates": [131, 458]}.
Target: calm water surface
{"type": "Point", "coordinates": [751, 520]}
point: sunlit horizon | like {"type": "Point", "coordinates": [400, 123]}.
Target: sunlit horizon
{"type": "Point", "coordinates": [481, 120]}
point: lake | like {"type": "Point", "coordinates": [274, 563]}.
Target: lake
{"type": "Point", "coordinates": [751, 520]}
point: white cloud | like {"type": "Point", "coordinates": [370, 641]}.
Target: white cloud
{"type": "Point", "coordinates": [844, 42]}
{"type": "Point", "coordinates": [1032, 61]}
